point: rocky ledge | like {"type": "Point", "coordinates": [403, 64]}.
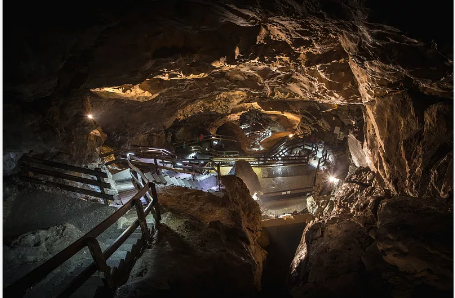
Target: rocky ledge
{"type": "Point", "coordinates": [206, 246]}
{"type": "Point", "coordinates": [377, 245]}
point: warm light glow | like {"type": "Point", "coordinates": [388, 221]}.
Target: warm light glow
{"type": "Point", "coordinates": [291, 135]}
{"type": "Point", "coordinates": [255, 196]}
{"type": "Point", "coordinates": [333, 179]}
{"type": "Point", "coordinates": [90, 116]}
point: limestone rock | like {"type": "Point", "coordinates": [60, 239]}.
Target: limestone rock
{"type": "Point", "coordinates": [375, 244]}
{"type": "Point", "coordinates": [203, 242]}
{"type": "Point", "coordinates": [244, 171]}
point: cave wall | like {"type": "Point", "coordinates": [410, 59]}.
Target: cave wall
{"type": "Point", "coordinates": [141, 67]}
{"type": "Point", "coordinates": [144, 66]}
{"type": "Point", "coordinates": [373, 243]}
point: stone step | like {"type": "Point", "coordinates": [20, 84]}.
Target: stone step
{"type": "Point", "coordinates": [127, 245]}
{"type": "Point", "coordinates": [156, 179]}
{"type": "Point", "coordinates": [113, 262]}
{"type": "Point", "coordinates": [162, 179]}
{"type": "Point", "coordinates": [187, 184]}
{"type": "Point", "coordinates": [168, 179]}
{"type": "Point", "coordinates": [174, 181]}
{"type": "Point", "coordinates": [177, 182]}
{"type": "Point", "coordinates": [125, 174]}
{"type": "Point", "coordinates": [181, 182]}
{"type": "Point", "coordinates": [149, 176]}
{"type": "Point", "coordinates": [129, 241]}
{"type": "Point", "coordinates": [125, 186]}
{"type": "Point", "coordinates": [193, 184]}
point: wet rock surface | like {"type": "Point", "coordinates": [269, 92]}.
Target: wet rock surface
{"type": "Point", "coordinates": [206, 246]}
{"type": "Point", "coordinates": [376, 244]}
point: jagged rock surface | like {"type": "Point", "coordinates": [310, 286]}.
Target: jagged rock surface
{"type": "Point", "coordinates": [375, 244]}
{"type": "Point", "coordinates": [139, 68]}
{"type": "Point", "coordinates": [205, 247]}
{"type": "Point", "coordinates": [244, 171]}
{"type": "Point", "coordinates": [151, 63]}
{"type": "Point", "coordinates": [31, 249]}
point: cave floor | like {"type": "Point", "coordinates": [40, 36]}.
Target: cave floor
{"type": "Point", "coordinates": [280, 207]}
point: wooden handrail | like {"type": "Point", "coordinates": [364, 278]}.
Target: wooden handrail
{"type": "Point", "coordinates": [66, 176]}
{"type": "Point", "coordinates": [86, 273]}
{"type": "Point", "coordinates": [19, 287]}
{"type": "Point", "coordinates": [68, 187]}
{"type": "Point", "coordinates": [64, 166]}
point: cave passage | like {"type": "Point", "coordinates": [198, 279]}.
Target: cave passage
{"type": "Point", "coordinates": [228, 149]}
{"type": "Point", "coordinates": [284, 241]}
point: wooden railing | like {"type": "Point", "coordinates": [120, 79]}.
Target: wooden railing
{"type": "Point", "coordinates": [19, 288]}
{"type": "Point", "coordinates": [29, 168]}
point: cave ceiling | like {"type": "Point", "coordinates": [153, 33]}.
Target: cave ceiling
{"type": "Point", "coordinates": [139, 68]}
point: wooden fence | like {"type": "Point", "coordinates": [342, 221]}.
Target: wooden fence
{"type": "Point", "coordinates": [111, 281]}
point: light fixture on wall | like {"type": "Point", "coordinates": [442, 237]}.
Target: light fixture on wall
{"type": "Point", "coordinates": [333, 179]}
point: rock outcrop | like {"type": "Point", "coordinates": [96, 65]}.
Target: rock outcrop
{"type": "Point", "coordinates": [29, 250]}
{"type": "Point", "coordinates": [206, 246]}
{"type": "Point", "coordinates": [377, 245]}
{"type": "Point", "coordinates": [244, 171]}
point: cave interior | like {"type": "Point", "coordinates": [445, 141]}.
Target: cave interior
{"type": "Point", "coordinates": [228, 148]}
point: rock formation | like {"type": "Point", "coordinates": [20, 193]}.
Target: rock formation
{"type": "Point", "coordinates": [206, 246]}
{"type": "Point", "coordinates": [153, 72]}
{"type": "Point", "coordinates": [244, 171]}
{"type": "Point", "coordinates": [375, 244]}
{"type": "Point", "coordinates": [125, 64]}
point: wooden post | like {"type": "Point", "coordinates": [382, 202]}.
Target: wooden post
{"type": "Point", "coordinates": [156, 205]}
{"type": "Point", "coordinates": [101, 180]}
{"type": "Point", "coordinates": [218, 170]}
{"type": "Point", "coordinates": [142, 220]}
{"type": "Point", "coordinates": [147, 195]}
{"type": "Point", "coordinates": [98, 257]}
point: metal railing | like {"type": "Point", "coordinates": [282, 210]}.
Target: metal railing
{"type": "Point", "coordinates": [158, 161]}
{"type": "Point", "coordinates": [205, 138]}
{"type": "Point", "coordinates": [145, 150]}
{"type": "Point", "coordinates": [20, 287]}
{"type": "Point", "coordinates": [285, 194]}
